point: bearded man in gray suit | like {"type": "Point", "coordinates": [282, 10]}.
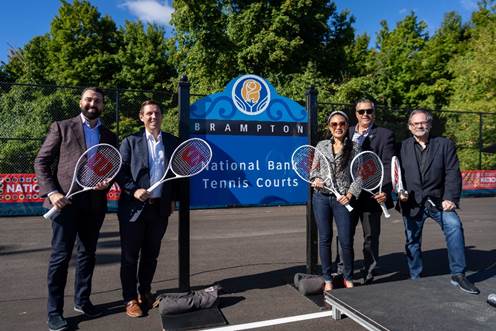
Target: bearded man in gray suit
{"type": "Point", "coordinates": [81, 217]}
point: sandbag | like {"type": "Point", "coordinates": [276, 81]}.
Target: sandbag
{"type": "Point", "coordinates": [308, 284]}
{"type": "Point", "coordinates": [177, 303]}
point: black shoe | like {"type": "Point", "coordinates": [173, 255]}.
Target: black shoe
{"type": "Point", "coordinates": [464, 284]}
{"type": "Point", "coordinates": [56, 322]}
{"type": "Point", "coordinates": [89, 310]}
{"type": "Point", "coordinates": [367, 280]}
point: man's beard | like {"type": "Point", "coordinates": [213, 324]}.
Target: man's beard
{"type": "Point", "coordinates": [93, 115]}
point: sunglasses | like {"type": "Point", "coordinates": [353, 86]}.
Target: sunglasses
{"type": "Point", "coordinates": [337, 124]}
{"type": "Point", "coordinates": [363, 111]}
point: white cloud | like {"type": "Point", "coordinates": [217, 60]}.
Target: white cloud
{"type": "Point", "coordinates": [151, 11]}
{"type": "Point", "coordinates": [403, 11]}
{"type": "Point", "coordinates": [469, 5]}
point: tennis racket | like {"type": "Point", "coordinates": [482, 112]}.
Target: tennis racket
{"type": "Point", "coordinates": [188, 159]}
{"type": "Point", "coordinates": [306, 159]}
{"type": "Point", "coordinates": [98, 163]}
{"type": "Point", "coordinates": [396, 177]}
{"type": "Point", "coordinates": [367, 168]}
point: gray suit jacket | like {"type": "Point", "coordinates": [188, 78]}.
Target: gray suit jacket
{"type": "Point", "coordinates": [54, 165]}
{"type": "Point", "coordinates": [135, 174]}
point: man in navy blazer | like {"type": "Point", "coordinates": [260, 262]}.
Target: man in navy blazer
{"type": "Point", "coordinates": [367, 210]}
{"type": "Point", "coordinates": [433, 181]}
{"type": "Point", "coordinates": [143, 216]}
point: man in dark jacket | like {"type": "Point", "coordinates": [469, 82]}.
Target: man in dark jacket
{"type": "Point", "coordinates": [433, 181]}
{"type": "Point", "coordinates": [143, 216]}
{"type": "Point", "coordinates": [367, 210]}
{"type": "Point", "coordinates": [81, 217]}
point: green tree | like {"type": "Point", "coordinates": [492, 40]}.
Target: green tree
{"type": "Point", "coordinates": [29, 64]}
{"type": "Point", "coordinates": [143, 58]}
{"type": "Point", "coordinates": [278, 40]}
{"type": "Point", "coordinates": [397, 60]}
{"type": "Point", "coordinates": [474, 88]}
{"type": "Point", "coordinates": [434, 75]}
{"type": "Point", "coordinates": [82, 46]}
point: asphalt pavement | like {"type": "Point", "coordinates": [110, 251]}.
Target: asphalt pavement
{"type": "Point", "coordinates": [253, 252]}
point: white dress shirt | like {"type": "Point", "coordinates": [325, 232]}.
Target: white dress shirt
{"type": "Point", "coordinates": [156, 160]}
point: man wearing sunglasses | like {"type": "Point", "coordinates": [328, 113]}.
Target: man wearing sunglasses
{"type": "Point", "coordinates": [367, 209]}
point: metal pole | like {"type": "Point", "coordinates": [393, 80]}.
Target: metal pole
{"type": "Point", "coordinates": [312, 252]}
{"type": "Point", "coordinates": [480, 141]}
{"type": "Point", "coordinates": [184, 216]}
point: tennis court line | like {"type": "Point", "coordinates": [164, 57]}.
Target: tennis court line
{"type": "Point", "coordinates": [276, 321]}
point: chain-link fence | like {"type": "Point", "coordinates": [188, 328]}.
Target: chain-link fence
{"type": "Point", "coordinates": [26, 111]}
{"type": "Point", "coordinates": [471, 131]}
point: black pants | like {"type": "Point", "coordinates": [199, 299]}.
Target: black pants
{"type": "Point", "coordinates": [74, 224]}
{"type": "Point", "coordinates": [140, 248]}
{"type": "Point", "coordinates": [371, 225]}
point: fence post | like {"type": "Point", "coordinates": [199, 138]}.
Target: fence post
{"type": "Point", "coordinates": [480, 141]}
{"type": "Point", "coordinates": [311, 249]}
{"type": "Point", "coordinates": [184, 215]}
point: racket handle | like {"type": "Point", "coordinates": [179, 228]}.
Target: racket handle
{"type": "Point", "coordinates": [338, 196]}
{"type": "Point", "coordinates": [51, 214]}
{"type": "Point", "coordinates": [385, 210]}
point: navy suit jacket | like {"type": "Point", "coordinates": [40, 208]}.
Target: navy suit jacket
{"type": "Point", "coordinates": [380, 141]}
{"type": "Point", "coordinates": [135, 174]}
{"type": "Point", "coordinates": [441, 178]}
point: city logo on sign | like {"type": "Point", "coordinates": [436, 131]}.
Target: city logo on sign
{"type": "Point", "coordinates": [251, 95]}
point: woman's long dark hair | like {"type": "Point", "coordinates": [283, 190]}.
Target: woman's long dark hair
{"type": "Point", "coordinates": [347, 144]}
{"type": "Point", "coordinates": [347, 149]}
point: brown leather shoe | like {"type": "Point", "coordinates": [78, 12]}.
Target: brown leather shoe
{"type": "Point", "coordinates": [147, 301]}
{"type": "Point", "coordinates": [133, 309]}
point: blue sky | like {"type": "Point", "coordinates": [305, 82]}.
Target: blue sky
{"type": "Point", "coordinates": [21, 20]}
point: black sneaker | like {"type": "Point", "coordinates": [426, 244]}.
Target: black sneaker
{"type": "Point", "coordinates": [56, 322]}
{"type": "Point", "coordinates": [464, 284]}
{"type": "Point", "coordinates": [89, 310]}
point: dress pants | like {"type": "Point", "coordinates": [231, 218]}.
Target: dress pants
{"type": "Point", "coordinates": [75, 224]}
{"type": "Point", "coordinates": [140, 248]}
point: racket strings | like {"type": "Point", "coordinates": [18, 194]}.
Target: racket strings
{"type": "Point", "coordinates": [367, 170]}
{"type": "Point", "coordinates": [99, 164]}
{"type": "Point", "coordinates": [191, 158]}
{"type": "Point", "coordinates": [307, 161]}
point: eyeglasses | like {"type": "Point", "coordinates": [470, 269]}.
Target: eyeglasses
{"type": "Point", "coordinates": [418, 123]}
{"type": "Point", "coordinates": [336, 124]}
{"type": "Point", "coordinates": [363, 111]}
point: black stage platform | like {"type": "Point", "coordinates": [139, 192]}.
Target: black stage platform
{"type": "Point", "coordinates": [430, 303]}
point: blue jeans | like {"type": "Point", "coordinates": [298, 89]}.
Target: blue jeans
{"type": "Point", "coordinates": [453, 232]}
{"type": "Point", "coordinates": [325, 207]}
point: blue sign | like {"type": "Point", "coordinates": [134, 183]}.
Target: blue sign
{"type": "Point", "coordinates": [253, 132]}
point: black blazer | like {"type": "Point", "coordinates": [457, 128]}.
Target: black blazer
{"type": "Point", "coordinates": [380, 141]}
{"type": "Point", "coordinates": [442, 179]}
{"type": "Point", "coordinates": [134, 174]}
